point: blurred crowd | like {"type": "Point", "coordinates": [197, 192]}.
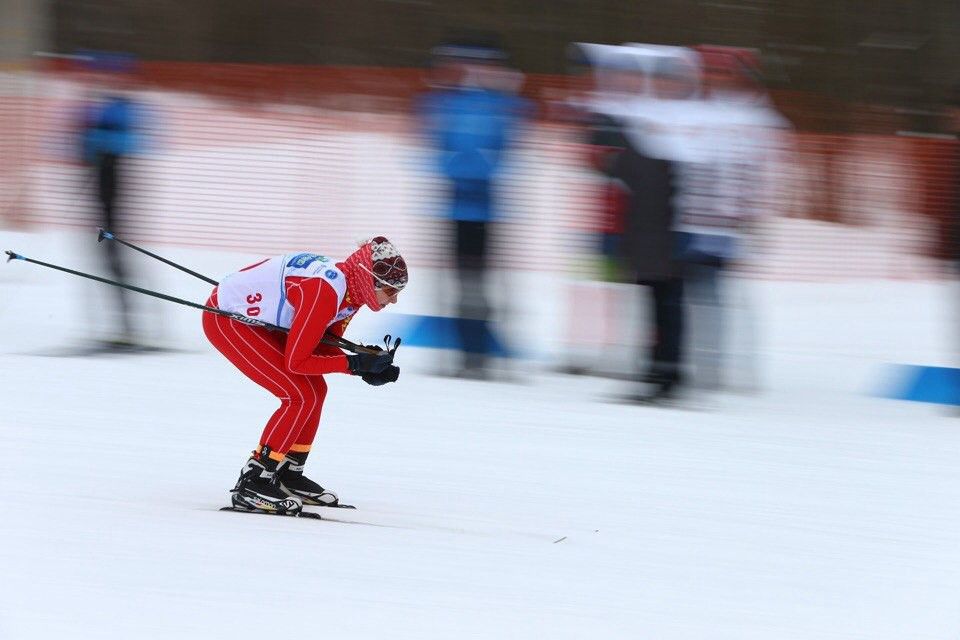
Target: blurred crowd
{"type": "Point", "coordinates": [681, 140]}
{"type": "Point", "coordinates": [684, 139]}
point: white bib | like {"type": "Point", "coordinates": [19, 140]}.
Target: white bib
{"type": "Point", "coordinates": [259, 291]}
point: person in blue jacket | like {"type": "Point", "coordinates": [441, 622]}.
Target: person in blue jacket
{"type": "Point", "coordinates": [471, 118]}
{"type": "Point", "coordinates": [109, 137]}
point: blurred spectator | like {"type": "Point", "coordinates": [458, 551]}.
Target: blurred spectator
{"type": "Point", "coordinates": [109, 137]}
{"type": "Point", "coordinates": [726, 195]}
{"type": "Point", "coordinates": [649, 259]}
{"type": "Point", "coordinates": [603, 83]}
{"type": "Point", "coordinates": [632, 119]}
{"type": "Point", "coordinates": [471, 116]}
{"type": "Point", "coordinates": [650, 168]}
{"type": "Point", "coordinates": [952, 113]}
{"type": "Point", "coordinates": [619, 83]}
{"type": "Point", "coordinates": [951, 236]}
{"type": "Point", "coordinates": [646, 172]}
{"type": "Point", "coordinates": [715, 205]}
{"type": "Point", "coordinates": [948, 240]}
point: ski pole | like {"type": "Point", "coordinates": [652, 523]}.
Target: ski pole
{"type": "Point", "coordinates": [107, 235]}
{"type": "Point", "coordinates": [239, 317]}
{"type": "Point", "coordinates": [11, 255]}
{"type": "Point", "coordinates": [332, 340]}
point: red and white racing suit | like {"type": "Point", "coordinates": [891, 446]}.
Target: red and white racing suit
{"type": "Point", "coordinates": [306, 293]}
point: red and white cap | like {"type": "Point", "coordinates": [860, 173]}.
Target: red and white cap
{"type": "Point", "coordinates": [389, 268]}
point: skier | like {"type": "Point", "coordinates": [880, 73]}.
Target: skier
{"type": "Point", "coordinates": [311, 295]}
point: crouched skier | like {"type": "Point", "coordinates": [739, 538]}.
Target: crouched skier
{"type": "Point", "coordinates": [310, 295]}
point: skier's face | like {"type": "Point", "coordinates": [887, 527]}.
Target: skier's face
{"type": "Point", "coordinates": [387, 295]}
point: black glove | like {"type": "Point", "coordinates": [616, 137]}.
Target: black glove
{"type": "Point", "coordinates": [362, 363]}
{"type": "Point", "coordinates": [390, 374]}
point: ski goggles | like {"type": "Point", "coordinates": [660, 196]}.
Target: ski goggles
{"type": "Point", "coordinates": [389, 273]}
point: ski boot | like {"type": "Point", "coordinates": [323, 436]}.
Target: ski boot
{"type": "Point", "coordinates": [258, 488]}
{"type": "Point", "coordinates": [294, 483]}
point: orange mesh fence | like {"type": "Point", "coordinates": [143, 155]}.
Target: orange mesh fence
{"type": "Point", "coordinates": [265, 159]}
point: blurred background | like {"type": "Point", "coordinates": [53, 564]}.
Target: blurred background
{"type": "Point", "coordinates": [531, 160]}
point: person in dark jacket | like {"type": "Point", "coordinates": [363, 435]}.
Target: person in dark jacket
{"type": "Point", "coordinates": [638, 214]}
{"type": "Point", "coordinates": [648, 255]}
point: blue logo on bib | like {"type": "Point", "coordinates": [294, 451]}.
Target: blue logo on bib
{"type": "Point", "coordinates": [330, 273]}
{"type": "Point", "coordinates": [303, 260]}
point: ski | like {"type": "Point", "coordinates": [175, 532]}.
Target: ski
{"type": "Point", "coordinates": [299, 514]}
{"type": "Point", "coordinates": [310, 515]}
{"type": "Point", "coordinates": [330, 506]}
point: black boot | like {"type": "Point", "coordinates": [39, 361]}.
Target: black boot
{"type": "Point", "coordinates": [296, 484]}
{"type": "Point", "coordinates": [659, 385]}
{"type": "Point", "coordinates": [258, 488]}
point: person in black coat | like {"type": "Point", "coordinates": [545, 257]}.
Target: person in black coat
{"type": "Point", "coordinates": [648, 258]}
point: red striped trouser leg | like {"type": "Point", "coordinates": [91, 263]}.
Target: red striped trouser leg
{"type": "Point", "coordinates": [305, 438]}
{"type": "Point", "coordinates": [258, 354]}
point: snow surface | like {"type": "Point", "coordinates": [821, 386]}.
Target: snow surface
{"type": "Point", "coordinates": [486, 510]}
